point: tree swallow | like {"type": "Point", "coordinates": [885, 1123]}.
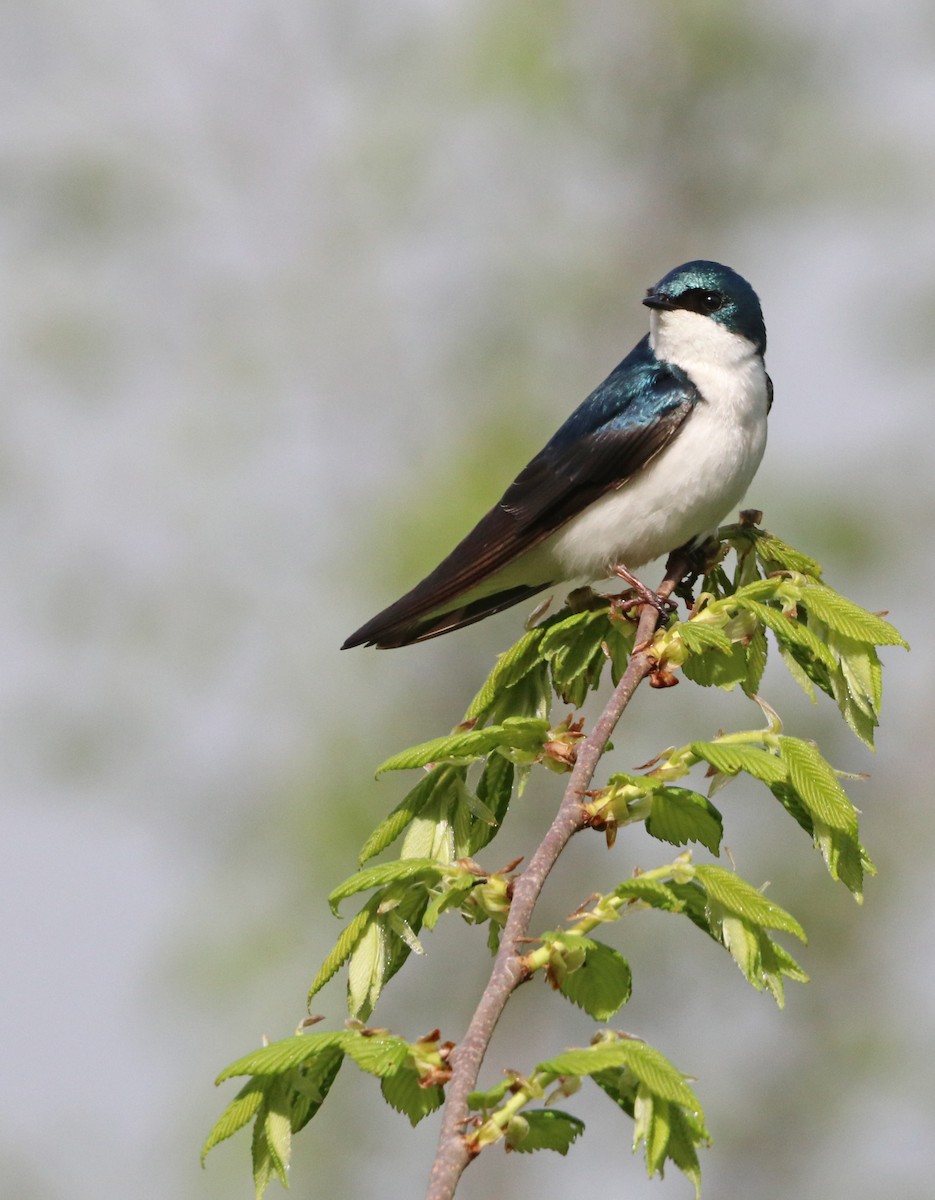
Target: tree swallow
{"type": "Point", "coordinates": [653, 460]}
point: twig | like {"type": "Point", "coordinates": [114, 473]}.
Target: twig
{"type": "Point", "coordinates": [454, 1150]}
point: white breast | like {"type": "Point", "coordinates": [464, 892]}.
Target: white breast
{"type": "Point", "coordinates": [701, 475]}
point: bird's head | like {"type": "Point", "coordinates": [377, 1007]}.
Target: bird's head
{"type": "Point", "coordinates": [708, 291]}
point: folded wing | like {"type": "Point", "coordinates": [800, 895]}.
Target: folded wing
{"type": "Point", "coordinates": [621, 427]}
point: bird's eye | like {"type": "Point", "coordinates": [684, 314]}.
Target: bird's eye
{"type": "Point", "coordinates": [711, 301]}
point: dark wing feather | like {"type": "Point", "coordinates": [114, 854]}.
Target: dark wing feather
{"type": "Point", "coordinates": [621, 427]}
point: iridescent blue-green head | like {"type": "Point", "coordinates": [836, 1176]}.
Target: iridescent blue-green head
{"type": "Point", "coordinates": [714, 291]}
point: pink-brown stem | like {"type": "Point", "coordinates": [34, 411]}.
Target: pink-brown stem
{"type": "Point", "coordinates": [454, 1149]}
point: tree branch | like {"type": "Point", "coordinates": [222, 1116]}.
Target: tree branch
{"type": "Point", "coordinates": [454, 1151]}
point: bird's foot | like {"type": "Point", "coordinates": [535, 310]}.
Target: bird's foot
{"type": "Point", "coordinates": [663, 604]}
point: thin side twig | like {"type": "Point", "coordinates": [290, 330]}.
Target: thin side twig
{"type": "Point", "coordinates": [454, 1151]}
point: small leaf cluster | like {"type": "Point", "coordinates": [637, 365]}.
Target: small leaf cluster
{"type": "Point", "coordinates": [793, 770]}
{"type": "Point", "coordinates": [825, 640]}
{"type": "Point", "coordinates": [290, 1080]}
{"type": "Point", "coordinates": [470, 777]}
{"type": "Point", "coordinates": [668, 1119]}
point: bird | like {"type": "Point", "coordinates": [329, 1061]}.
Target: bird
{"type": "Point", "coordinates": [652, 461]}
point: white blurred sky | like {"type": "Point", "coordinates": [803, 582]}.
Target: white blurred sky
{"type": "Point", "coordinates": [215, 346]}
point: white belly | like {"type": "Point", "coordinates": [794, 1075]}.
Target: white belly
{"type": "Point", "coordinates": [688, 489]}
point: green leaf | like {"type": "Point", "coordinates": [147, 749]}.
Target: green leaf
{"type": "Point", "coordinates": [519, 733]}
{"type": "Point", "coordinates": [817, 784]}
{"type": "Point", "coordinates": [344, 947]}
{"type": "Point", "coordinates": [679, 815]}
{"type": "Point", "coordinates": [409, 911]}
{"type": "Point", "coordinates": [732, 757]}
{"type": "Point", "coordinates": [684, 1135]}
{"type": "Point", "coordinates": [601, 985]}
{"type": "Point", "coordinates": [242, 1108]}
{"type": "Point", "coordinates": [407, 870]}
{"type": "Point", "coordinates": [439, 831]}
{"type": "Point", "coordinates": [403, 1091]}
{"type": "Point", "coordinates": [716, 669]}
{"type": "Point", "coordinates": [757, 652]}
{"type": "Point", "coordinates": [282, 1056]}
{"type": "Point", "coordinates": [775, 555]}
{"type": "Point", "coordinates": [857, 684]}
{"type": "Point", "coordinates": [548, 1129]}
{"type": "Point", "coordinates": [377, 1054]}
{"type": "Point", "coordinates": [494, 789]}
{"type": "Point", "coordinates": [646, 1063]}
{"type": "Point", "coordinates": [844, 616]}
{"type": "Point", "coordinates": [699, 636]}
{"type": "Point", "coordinates": [511, 667]}
{"type": "Point", "coordinates": [367, 968]}
{"type": "Point", "coordinates": [264, 1162]}
{"type": "Point", "coordinates": [741, 898]}
{"type": "Point", "coordinates": [648, 891]}
{"type": "Point", "coordinates": [574, 649]}
{"type": "Point", "coordinates": [437, 781]}
{"type": "Point", "coordinates": [788, 630]}
{"type": "Point", "coordinates": [755, 953]}
{"type": "Point", "coordinates": [277, 1127]}
{"type": "Point", "coordinates": [453, 895]}
{"type": "Point", "coordinates": [312, 1083]}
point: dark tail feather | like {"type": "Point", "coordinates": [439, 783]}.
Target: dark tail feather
{"type": "Point", "coordinates": [389, 629]}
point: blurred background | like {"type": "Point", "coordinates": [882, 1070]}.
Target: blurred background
{"type": "Point", "coordinates": [290, 292]}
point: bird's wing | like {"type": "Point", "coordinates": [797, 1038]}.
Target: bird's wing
{"type": "Point", "coordinates": [618, 430]}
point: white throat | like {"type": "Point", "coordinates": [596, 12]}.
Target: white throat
{"type": "Point", "coordinates": [705, 350]}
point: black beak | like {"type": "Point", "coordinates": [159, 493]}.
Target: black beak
{"type": "Point", "coordinates": [659, 300]}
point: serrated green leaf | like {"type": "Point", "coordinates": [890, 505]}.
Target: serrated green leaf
{"type": "Point", "coordinates": [343, 947]}
{"type": "Point", "coordinates": [802, 676]}
{"type": "Point", "coordinates": [732, 757]}
{"type": "Point", "coordinates": [494, 789]}
{"type": "Point", "coordinates": [407, 870]}
{"type": "Point", "coordinates": [439, 831]}
{"type": "Point", "coordinates": [776, 555]}
{"type": "Point", "coordinates": [601, 985]}
{"type": "Point", "coordinates": [283, 1055]}
{"type": "Point", "coordinates": [452, 896]}
{"type": "Point", "coordinates": [511, 667]}
{"type": "Point", "coordinates": [699, 636]}
{"type": "Point", "coordinates": [403, 1091]}
{"type": "Point", "coordinates": [844, 856]}
{"type": "Point", "coordinates": [377, 1054]}
{"type": "Point", "coordinates": [679, 815]}
{"type": "Point", "coordinates": [788, 630]}
{"type": "Point", "coordinates": [277, 1127]}
{"type": "Point", "coordinates": [652, 1129]}
{"type": "Point", "coordinates": [647, 1064]}
{"type": "Point", "coordinates": [312, 1083]}
{"type": "Point", "coordinates": [844, 616]}
{"type": "Point", "coordinates": [741, 898]}
{"type": "Point", "coordinates": [648, 891]}
{"type": "Point", "coordinates": [264, 1164]}
{"type": "Point", "coordinates": [574, 650]}
{"type": "Point", "coordinates": [519, 733]}
{"type": "Point", "coordinates": [439, 779]}
{"type": "Point", "coordinates": [717, 669]}
{"type": "Point", "coordinates": [857, 685]}
{"type": "Point", "coordinates": [684, 1136]}
{"type": "Point", "coordinates": [411, 909]}
{"type": "Point", "coordinates": [817, 784]}
{"type": "Point", "coordinates": [549, 1129]}
{"type": "Point", "coordinates": [619, 643]}
{"type": "Point", "coordinates": [757, 652]}
{"type": "Point", "coordinates": [366, 969]}
{"type": "Point", "coordinates": [242, 1108]}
